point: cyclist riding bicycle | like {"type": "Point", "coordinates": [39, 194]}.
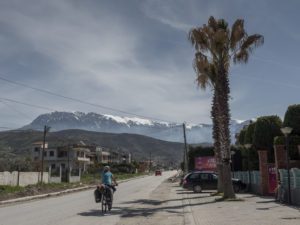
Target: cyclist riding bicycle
{"type": "Point", "coordinates": [107, 178]}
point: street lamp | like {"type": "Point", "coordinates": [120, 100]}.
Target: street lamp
{"type": "Point", "coordinates": [232, 153]}
{"type": "Point", "coordinates": [248, 146]}
{"type": "Point", "coordinates": [286, 131]}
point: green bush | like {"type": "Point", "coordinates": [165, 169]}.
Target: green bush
{"type": "Point", "coordinates": [249, 159]}
{"type": "Point", "coordinates": [292, 119]}
{"type": "Point", "coordinates": [248, 139]}
{"type": "Point", "coordinates": [241, 137]}
{"type": "Point", "coordinates": [266, 129]}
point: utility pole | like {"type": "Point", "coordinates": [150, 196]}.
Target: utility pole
{"type": "Point", "coordinates": [46, 129]}
{"type": "Point", "coordinates": [185, 159]}
{"type": "Point", "coordinates": [150, 163]}
{"type": "Point", "coordinates": [68, 173]}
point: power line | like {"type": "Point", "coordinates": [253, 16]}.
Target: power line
{"type": "Point", "coordinates": [27, 104]}
{"type": "Point", "coordinates": [174, 125]}
{"type": "Point", "coordinates": [15, 110]}
{"type": "Point", "coordinates": [80, 101]}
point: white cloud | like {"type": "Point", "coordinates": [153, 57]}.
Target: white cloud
{"type": "Point", "coordinates": [98, 56]}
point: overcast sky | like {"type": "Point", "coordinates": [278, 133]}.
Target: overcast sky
{"type": "Point", "coordinates": [134, 56]}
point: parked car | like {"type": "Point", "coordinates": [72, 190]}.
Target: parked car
{"type": "Point", "coordinates": [201, 180]}
{"type": "Point", "coordinates": [157, 172]}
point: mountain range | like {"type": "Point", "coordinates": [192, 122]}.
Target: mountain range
{"type": "Point", "coordinates": [196, 133]}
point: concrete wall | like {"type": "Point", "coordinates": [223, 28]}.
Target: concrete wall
{"type": "Point", "coordinates": [5, 178]}
{"type": "Point", "coordinates": [16, 178]}
{"type": "Point", "coordinates": [54, 179]}
{"type": "Point", "coordinates": [74, 179]}
{"type": "Point", "coordinates": [27, 178]}
{"type": "Point", "coordinates": [22, 178]}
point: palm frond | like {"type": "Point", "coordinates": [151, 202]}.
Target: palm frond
{"type": "Point", "coordinates": [212, 23]}
{"type": "Point", "coordinates": [247, 46]}
{"type": "Point", "coordinates": [198, 39]}
{"type": "Point", "coordinates": [241, 56]}
{"type": "Point", "coordinates": [203, 81]}
{"type": "Point", "coordinates": [205, 71]}
{"type": "Point", "coordinates": [222, 24]}
{"type": "Point", "coordinates": [252, 42]}
{"type": "Point", "coordinates": [237, 33]}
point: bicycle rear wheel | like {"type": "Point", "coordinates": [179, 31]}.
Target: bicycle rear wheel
{"type": "Point", "coordinates": [109, 203]}
{"type": "Point", "coordinates": [104, 204]}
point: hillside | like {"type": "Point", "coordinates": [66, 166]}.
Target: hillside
{"type": "Point", "coordinates": [19, 142]}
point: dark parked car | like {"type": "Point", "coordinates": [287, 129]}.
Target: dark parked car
{"type": "Point", "coordinates": [199, 180]}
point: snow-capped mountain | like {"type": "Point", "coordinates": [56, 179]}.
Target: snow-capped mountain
{"type": "Point", "coordinates": [198, 133]}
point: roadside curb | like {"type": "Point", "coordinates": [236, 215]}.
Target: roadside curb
{"type": "Point", "coordinates": [189, 218]}
{"type": "Point", "coordinates": [53, 194]}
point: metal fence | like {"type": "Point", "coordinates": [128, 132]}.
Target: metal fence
{"type": "Point", "coordinates": [251, 178]}
{"type": "Point", "coordinates": [294, 183]}
{"type": "Point", "coordinates": [253, 182]}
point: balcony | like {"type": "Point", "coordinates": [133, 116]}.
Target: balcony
{"type": "Point", "coordinates": [82, 159]}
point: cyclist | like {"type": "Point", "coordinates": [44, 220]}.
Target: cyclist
{"type": "Point", "coordinates": [107, 178]}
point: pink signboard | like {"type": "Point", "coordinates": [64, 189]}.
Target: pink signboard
{"type": "Point", "coordinates": [205, 163]}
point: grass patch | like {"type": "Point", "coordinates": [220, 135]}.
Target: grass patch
{"type": "Point", "coordinates": [6, 189]}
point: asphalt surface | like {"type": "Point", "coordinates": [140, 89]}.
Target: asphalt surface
{"type": "Point", "coordinates": [80, 207]}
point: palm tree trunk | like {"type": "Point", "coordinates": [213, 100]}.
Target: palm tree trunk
{"type": "Point", "coordinates": [223, 119]}
{"type": "Point", "coordinates": [215, 132]}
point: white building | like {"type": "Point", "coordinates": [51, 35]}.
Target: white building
{"type": "Point", "coordinates": [74, 157]}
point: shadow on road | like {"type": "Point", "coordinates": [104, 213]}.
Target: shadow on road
{"type": "Point", "coordinates": [132, 211]}
{"type": "Point", "coordinates": [152, 206]}
{"type": "Point", "coordinates": [93, 212]}
{"type": "Point", "coordinates": [157, 202]}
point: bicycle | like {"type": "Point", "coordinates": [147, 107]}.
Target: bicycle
{"type": "Point", "coordinates": [106, 199]}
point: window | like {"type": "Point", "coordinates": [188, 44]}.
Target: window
{"type": "Point", "coordinates": [45, 153]}
{"type": "Point", "coordinates": [52, 153]}
{"type": "Point", "coordinates": [63, 166]}
{"type": "Point", "coordinates": [52, 166]}
{"type": "Point", "coordinates": [194, 176]}
{"type": "Point", "coordinates": [204, 176]}
{"type": "Point", "coordinates": [62, 154]}
{"type": "Point", "coordinates": [36, 149]}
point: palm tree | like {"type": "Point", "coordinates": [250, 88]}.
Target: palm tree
{"type": "Point", "coordinates": [206, 75]}
{"type": "Point", "coordinates": [216, 47]}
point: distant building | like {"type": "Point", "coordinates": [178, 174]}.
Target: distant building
{"type": "Point", "coordinates": [104, 155]}
{"type": "Point", "coordinates": [74, 157]}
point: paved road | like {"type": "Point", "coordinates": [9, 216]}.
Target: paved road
{"type": "Point", "coordinates": [80, 208]}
